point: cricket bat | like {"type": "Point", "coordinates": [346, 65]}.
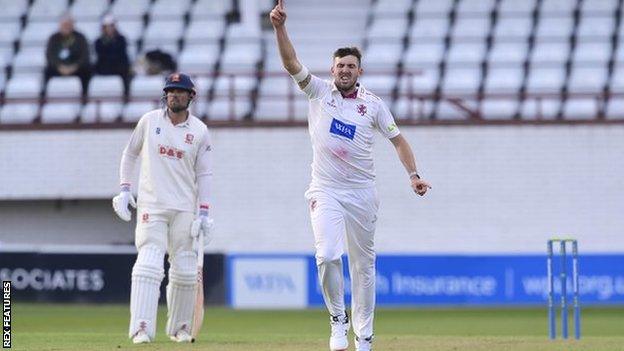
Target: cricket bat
{"type": "Point", "coordinates": [198, 311]}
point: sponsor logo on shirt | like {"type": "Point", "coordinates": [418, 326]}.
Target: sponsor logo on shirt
{"type": "Point", "coordinates": [391, 127]}
{"type": "Point", "coordinates": [170, 152]}
{"type": "Point", "coordinates": [189, 138]}
{"type": "Point", "coordinates": [361, 109]}
{"type": "Point", "coordinates": [342, 129]}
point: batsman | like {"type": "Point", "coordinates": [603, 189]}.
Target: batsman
{"type": "Point", "coordinates": [174, 149]}
{"type": "Point", "coordinates": [342, 120]}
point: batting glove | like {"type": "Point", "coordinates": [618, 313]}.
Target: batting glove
{"type": "Point", "coordinates": [121, 202]}
{"type": "Point", "coordinates": [203, 225]}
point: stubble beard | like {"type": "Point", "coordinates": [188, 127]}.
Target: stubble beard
{"type": "Point", "coordinates": [177, 107]}
{"type": "Point", "coordinates": [346, 89]}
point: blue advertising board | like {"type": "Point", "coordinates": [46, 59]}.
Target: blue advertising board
{"type": "Point", "coordinates": [267, 281]}
{"type": "Point", "coordinates": [482, 280]}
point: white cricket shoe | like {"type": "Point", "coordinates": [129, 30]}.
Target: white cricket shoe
{"type": "Point", "coordinates": [339, 332]}
{"type": "Point", "coordinates": [182, 336]}
{"type": "Point", "coordinates": [364, 344]}
{"type": "Point", "coordinates": [141, 337]}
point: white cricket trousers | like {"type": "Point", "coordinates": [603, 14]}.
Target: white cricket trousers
{"type": "Point", "coordinates": [158, 232]}
{"type": "Point", "coordinates": [339, 217]}
{"type": "Point", "coordinates": [168, 229]}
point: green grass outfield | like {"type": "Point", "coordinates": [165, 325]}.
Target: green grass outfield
{"type": "Point", "coordinates": [104, 327]}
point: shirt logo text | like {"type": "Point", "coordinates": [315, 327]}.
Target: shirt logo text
{"type": "Point", "coordinates": [342, 129]}
{"type": "Point", "coordinates": [170, 152]}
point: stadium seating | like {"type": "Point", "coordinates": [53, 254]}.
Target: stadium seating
{"type": "Point", "coordinates": [133, 111]}
{"type": "Point", "coordinates": [202, 32]}
{"type": "Point", "coordinates": [198, 58]}
{"type": "Point", "coordinates": [223, 109]}
{"type": "Point", "coordinates": [66, 110]}
{"type": "Point", "coordinates": [487, 52]}
{"type": "Point", "coordinates": [10, 31]}
{"type": "Point", "coordinates": [47, 10]}
{"type": "Point", "coordinates": [513, 29]}
{"type": "Point", "coordinates": [90, 28]}
{"type": "Point", "coordinates": [130, 9]}
{"type": "Point", "coordinates": [37, 33]}
{"type": "Point", "coordinates": [24, 86]}
{"type": "Point", "coordinates": [167, 9]}
{"type": "Point", "coordinates": [13, 9]}
{"type": "Point", "coordinates": [211, 9]}
{"type": "Point", "coordinates": [163, 33]}
{"type": "Point", "coordinates": [106, 94]}
{"type": "Point", "coordinates": [88, 9]}
{"type": "Point", "coordinates": [18, 113]}
{"type": "Point", "coordinates": [516, 8]}
{"type": "Point", "coordinates": [145, 93]}
{"type": "Point", "coordinates": [132, 29]}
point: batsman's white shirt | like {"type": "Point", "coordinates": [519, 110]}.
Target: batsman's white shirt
{"type": "Point", "coordinates": [342, 132]}
{"type": "Point", "coordinates": [171, 158]}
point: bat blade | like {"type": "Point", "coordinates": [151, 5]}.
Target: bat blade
{"type": "Point", "coordinates": [198, 311]}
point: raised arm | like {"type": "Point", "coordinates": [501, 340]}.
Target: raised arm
{"type": "Point", "coordinates": [286, 49]}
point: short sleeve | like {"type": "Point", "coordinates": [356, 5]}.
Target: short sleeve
{"type": "Point", "coordinates": [316, 87]}
{"type": "Point", "coordinates": [385, 122]}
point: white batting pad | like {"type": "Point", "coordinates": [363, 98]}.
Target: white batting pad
{"type": "Point", "coordinates": [147, 274]}
{"type": "Point", "coordinates": [181, 292]}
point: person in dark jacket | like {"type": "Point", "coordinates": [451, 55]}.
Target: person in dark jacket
{"type": "Point", "coordinates": [67, 54]}
{"type": "Point", "coordinates": [111, 51]}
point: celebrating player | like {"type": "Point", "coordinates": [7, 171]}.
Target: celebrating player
{"type": "Point", "coordinates": [342, 197]}
{"type": "Point", "coordinates": [174, 147]}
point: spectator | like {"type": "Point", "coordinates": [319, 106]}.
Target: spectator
{"type": "Point", "coordinates": [111, 51]}
{"type": "Point", "coordinates": [67, 54]}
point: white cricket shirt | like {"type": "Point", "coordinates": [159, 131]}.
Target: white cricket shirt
{"type": "Point", "coordinates": [342, 133]}
{"type": "Point", "coordinates": [172, 157]}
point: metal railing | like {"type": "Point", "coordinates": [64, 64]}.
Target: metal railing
{"type": "Point", "coordinates": [467, 105]}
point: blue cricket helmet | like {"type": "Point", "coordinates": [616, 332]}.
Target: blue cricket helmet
{"type": "Point", "coordinates": [179, 81]}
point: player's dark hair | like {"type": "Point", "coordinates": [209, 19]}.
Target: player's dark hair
{"type": "Point", "coordinates": [346, 51]}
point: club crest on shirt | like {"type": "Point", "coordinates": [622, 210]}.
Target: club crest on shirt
{"type": "Point", "coordinates": [342, 129]}
{"type": "Point", "coordinates": [361, 109]}
{"type": "Point", "coordinates": [157, 130]}
{"type": "Point", "coordinates": [145, 218]}
{"type": "Point", "coordinates": [189, 138]}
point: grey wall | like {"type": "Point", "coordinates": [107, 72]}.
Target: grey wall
{"type": "Point", "coordinates": [495, 189]}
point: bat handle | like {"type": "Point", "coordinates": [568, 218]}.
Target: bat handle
{"type": "Point", "coordinates": [200, 249]}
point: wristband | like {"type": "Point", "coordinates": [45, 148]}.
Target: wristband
{"type": "Point", "coordinates": [414, 175]}
{"type": "Point", "coordinates": [302, 75]}
{"type": "Point", "coordinates": [125, 186]}
{"type": "Point", "coordinates": [203, 210]}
